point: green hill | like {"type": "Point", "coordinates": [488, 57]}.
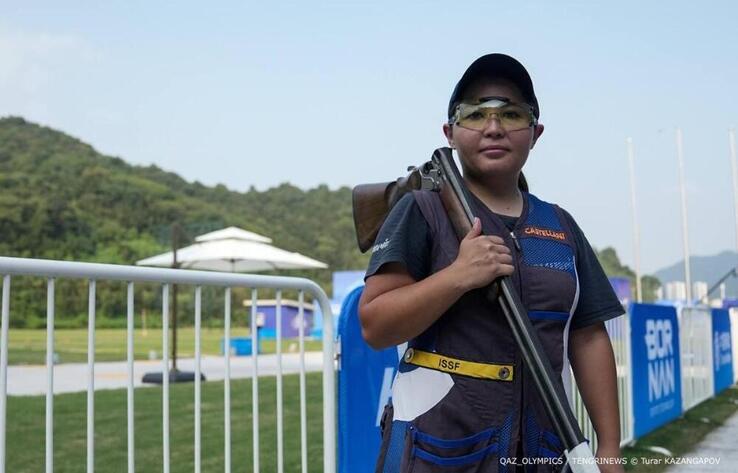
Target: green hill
{"type": "Point", "coordinates": [61, 199]}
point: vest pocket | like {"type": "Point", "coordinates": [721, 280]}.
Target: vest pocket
{"type": "Point", "coordinates": [394, 433]}
{"type": "Point", "coordinates": [476, 453]}
{"type": "Point", "coordinates": [550, 445]}
{"type": "Point", "coordinates": [543, 449]}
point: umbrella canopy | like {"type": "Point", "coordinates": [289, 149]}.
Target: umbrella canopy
{"type": "Point", "coordinates": [236, 250]}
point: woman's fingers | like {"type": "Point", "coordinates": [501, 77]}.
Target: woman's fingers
{"type": "Point", "coordinates": [484, 258]}
{"type": "Point", "coordinates": [505, 270]}
{"type": "Point", "coordinates": [498, 248]}
{"type": "Point", "coordinates": [495, 239]}
{"type": "Point", "coordinates": [503, 258]}
{"type": "Point", "coordinates": [475, 231]}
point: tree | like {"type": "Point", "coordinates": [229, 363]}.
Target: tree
{"type": "Point", "coordinates": [610, 262]}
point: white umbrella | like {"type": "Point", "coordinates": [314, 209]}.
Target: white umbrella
{"type": "Point", "coordinates": [230, 249]}
{"type": "Point", "coordinates": [235, 250]}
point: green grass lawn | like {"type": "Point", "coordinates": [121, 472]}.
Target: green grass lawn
{"type": "Point", "coordinates": [26, 428]}
{"type": "Point", "coordinates": [680, 436]}
{"type": "Point", "coordinates": [26, 346]}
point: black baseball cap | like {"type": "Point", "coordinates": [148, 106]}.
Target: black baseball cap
{"type": "Point", "coordinates": [496, 65]}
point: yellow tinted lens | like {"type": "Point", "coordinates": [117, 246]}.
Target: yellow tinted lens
{"type": "Point", "coordinates": [475, 118]}
{"type": "Point", "coordinates": [478, 117]}
{"type": "Point", "coordinates": [514, 117]}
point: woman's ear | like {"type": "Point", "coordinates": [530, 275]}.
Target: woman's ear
{"type": "Point", "coordinates": [449, 132]}
{"type": "Point", "coordinates": [537, 132]}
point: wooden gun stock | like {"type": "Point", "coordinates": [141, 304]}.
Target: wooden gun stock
{"type": "Point", "coordinates": [373, 202]}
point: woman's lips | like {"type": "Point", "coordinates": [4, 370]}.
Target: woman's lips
{"type": "Point", "coordinates": [494, 151]}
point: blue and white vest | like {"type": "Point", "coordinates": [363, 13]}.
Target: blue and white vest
{"type": "Point", "coordinates": [446, 422]}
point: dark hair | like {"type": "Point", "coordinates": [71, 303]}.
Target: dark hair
{"type": "Point", "coordinates": [522, 182]}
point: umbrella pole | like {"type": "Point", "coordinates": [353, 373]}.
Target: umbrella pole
{"type": "Point", "coordinates": [174, 374]}
{"type": "Point", "coordinates": [175, 265]}
{"type": "Point", "coordinates": [174, 327]}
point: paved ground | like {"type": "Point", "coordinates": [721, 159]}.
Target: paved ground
{"type": "Point", "coordinates": [720, 444]}
{"type": "Point", "coordinates": [72, 377]}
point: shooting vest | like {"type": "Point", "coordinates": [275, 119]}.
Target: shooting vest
{"type": "Point", "coordinates": [462, 399]}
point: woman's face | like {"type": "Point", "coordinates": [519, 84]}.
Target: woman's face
{"type": "Point", "coordinates": [493, 151]}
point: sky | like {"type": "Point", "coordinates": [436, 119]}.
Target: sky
{"type": "Point", "coordinates": [340, 93]}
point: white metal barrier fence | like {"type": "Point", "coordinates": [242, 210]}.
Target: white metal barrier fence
{"type": "Point", "coordinates": [51, 270]}
{"type": "Point", "coordinates": [619, 331]}
{"type": "Point", "coordinates": [734, 337]}
{"type": "Point", "coordinates": [695, 337]}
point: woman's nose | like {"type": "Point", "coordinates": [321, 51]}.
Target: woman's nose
{"type": "Point", "coordinates": [494, 128]}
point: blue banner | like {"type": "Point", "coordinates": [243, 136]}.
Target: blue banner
{"type": "Point", "coordinates": [722, 350]}
{"type": "Point", "coordinates": [364, 387]}
{"type": "Point", "coordinates": [657, 387]}
{"type": "Point", "coordinates": [621, 286]}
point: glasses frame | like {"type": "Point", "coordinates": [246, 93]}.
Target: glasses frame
{"type": "Point", "coordinates": [454, 120]}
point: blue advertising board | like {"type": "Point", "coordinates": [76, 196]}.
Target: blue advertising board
{"type": "Point", "coordinates": [722, 350]}
{"type": "Point", "coordinates": [364, 387]}
{"type": "Point", "coordinates": [657, 387]}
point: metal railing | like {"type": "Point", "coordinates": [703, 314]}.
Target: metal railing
{"type": "Point", "coordinates": [695, 335]}
{"type": "Point", "coordinates": [734, 337]}
{"type": "Point", "coordinates": [52, 270]}
{"type": "Point", "coordinates": [619, 331]}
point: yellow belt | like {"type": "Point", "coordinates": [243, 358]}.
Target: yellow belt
{"type": "Point", "coordinates": [447, 364]}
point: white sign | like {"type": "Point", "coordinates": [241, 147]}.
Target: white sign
{"type": "Point", "coordinates": [660, 347]}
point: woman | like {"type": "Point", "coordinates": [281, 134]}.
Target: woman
{"type": "Point", "coordinates": [461, 400]}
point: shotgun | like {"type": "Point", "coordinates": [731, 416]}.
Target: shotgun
{"type": "Point", "coordinates": [373, 202]}
{"type": "Point", "coordinates": [441, 175]}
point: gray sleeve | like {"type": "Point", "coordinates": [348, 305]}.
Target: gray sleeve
{"type": "Point", "coordinates": [404, 238]}
{"type": "Point", "coordinates": [597, 299]}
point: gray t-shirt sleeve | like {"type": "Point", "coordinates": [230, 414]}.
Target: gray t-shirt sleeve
{"type": "Point", "coordinates": [404, 238]}
{"type": "Point", "coordinates": [597, 299]}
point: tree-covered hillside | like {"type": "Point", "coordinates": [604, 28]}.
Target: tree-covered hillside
{"type": "Point", "coordinates": [61, 199]}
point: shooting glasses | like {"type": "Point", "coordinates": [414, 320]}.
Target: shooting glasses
{"type": "Point", "coordinates": [511, 116]}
